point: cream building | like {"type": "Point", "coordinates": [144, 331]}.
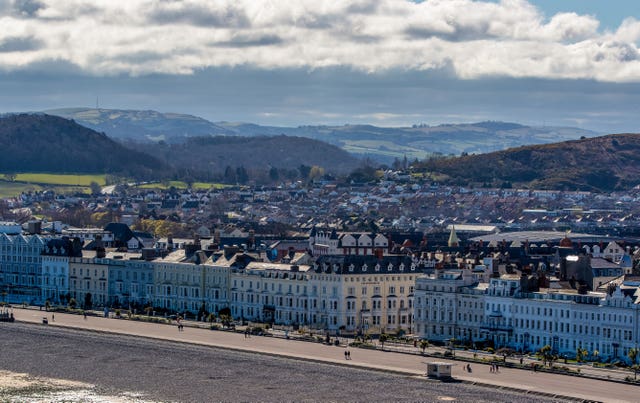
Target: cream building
{"type": "Point", "coordinates": [179, 280]}
{"type": "Point", "coordinates": [364, 294]}
{"type": "Point", "coordinates": [89, 280]}
{"type": "Point", "coordinates": [271, 292]}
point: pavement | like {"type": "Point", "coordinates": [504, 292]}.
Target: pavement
{"type": "Point", "coordinates": [547, 384]}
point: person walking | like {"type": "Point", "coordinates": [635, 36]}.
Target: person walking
{"type": "Point", "coordinates": [53, 317]}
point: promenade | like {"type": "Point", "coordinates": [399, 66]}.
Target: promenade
{"type": "Point", "coordinates": [562, 386]}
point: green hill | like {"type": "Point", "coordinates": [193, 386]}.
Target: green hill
{"type": "Point", "coordinates": [260, 154]}
{"type": "Point", "coordinates": [603, 163]}
{"type": "Point", "coordinates": [44, 143]}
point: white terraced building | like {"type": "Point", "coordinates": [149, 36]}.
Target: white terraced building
{"type": "Point", "coordinates": [21, 267]}
{"type": "Point", "coordinates": [605, 323]}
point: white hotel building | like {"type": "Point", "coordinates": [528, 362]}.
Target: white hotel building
{"type": "Point", "coordinates": [512, 316]}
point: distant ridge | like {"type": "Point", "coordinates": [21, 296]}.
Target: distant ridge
{"type": "Point", "coordinates": [604, 163]}
{"type": "Point", "coordinates": [43, 143]}
{"type": "Point", "coordinates": [142, 125]}
{"type": "Point", "coordinates": [383, 144]}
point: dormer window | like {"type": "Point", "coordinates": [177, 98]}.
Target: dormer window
{"type": "Point", "coordinates": [351, 268]}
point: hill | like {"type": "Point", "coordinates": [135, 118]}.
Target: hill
{"type": "Point", "coordinates": [603, 163]}
{"type": "Point", "coordinates": [43, 143]}
{"type": "Point", "coordinates": [142, 125]}
{"type": "Point", "coordinates": [385, 144]}
{"type": "Point", "coordinates": [382, 144]}
{"type": "Point", "coordinates": [215, 155]}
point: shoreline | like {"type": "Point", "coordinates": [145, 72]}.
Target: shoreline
{"type": "Point", "coordinates": [395, 363]}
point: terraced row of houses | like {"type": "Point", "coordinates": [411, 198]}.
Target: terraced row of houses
{"type": "Point", "coordinates": [347, 293]}
{"type": "Point", "coordinates": [586, 304]}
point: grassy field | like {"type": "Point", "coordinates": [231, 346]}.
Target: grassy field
{"type": "Point", "coordinates": [12, 189]}
{"type": "Point", "coordinates": [61, 179]}
{"type": "Point", "coordinates": [182, 185]}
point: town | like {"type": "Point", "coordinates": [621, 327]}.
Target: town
{"type": "Point", "coordinates": [482, 268]}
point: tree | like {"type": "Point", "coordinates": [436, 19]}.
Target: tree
{"type": "Point", "coordinates": [304, 171]}
{"type": "Point", "coordinates": [72, 303]}
{"type": "Point", "coordinates": [547, 355]}
{"type": "Point", "coordinates": [383, 338]}
{"type": "Point", "coordinates": [423, 345]}
{"type": "Point", "coordinates": [633, 355]}
{"type": "Point", "coordinates": [242, 176]}
{"type": "Point", "coordinates": [95, 188]}
{"type": "Point", "coordinates": [316, 173]}
{"type": "Point", "coordinates": [273, 174]}
{"type": "Point", "coordinates": [581, 354]}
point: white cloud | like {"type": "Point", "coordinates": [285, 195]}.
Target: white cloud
{"type": "Point", "coordinates": [472, 38]}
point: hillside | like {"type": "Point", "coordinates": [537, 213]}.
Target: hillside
{"type": "Point", "coordinates": [603, 163]}
{"type": "Point", "coordinates": [141, 125]}
{"type": "Point", "coordinates": [217, 154]}
{"type": "Point", "coordinates": [382, 144]}
{"type": "Point", "coordinates": [421, 141]}
{"type": "Point", "coordinates": [43, 143]}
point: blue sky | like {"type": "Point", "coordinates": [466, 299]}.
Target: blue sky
{"type": "Point", "coordinates": [383, 62]}
{"type": "Point", "coordinates": [610, 13]}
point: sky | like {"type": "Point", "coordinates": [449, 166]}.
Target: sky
{"type": "Point", "coordinates": [297, 62]}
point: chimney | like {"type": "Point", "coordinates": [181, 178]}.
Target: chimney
{"type": "Point", "coordinates": [100, 251]}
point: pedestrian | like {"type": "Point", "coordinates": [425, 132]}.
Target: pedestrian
{"type": "Point", "coordinates": [85, 315]}
{"type": "Point", "coordinates": [520, 360]}
{"type": "Point", "coordinates": [491, 368]}
{"type": "Point", "coordinates": [468, 367]}
{"type": "Point", "coordinates": [53, 317]}
{"type": "Point", "coordinates": [497, 368]}
{"type": "Point", "coordinates": [349, 354]}
{"type": "Point", "coordinates": [346, 354]}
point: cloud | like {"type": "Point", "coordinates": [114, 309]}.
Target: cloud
{"type": "Point", "coordinates": [473, 39]}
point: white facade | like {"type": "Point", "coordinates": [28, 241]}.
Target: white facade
{"type": "Point", "coordinates": [526, 321]}
{"type": "Point", "coordinates": [55, 278]}
{"type": "Point", "coordinates": [21, 267]}
{"type": "Point", "coordinates": [333, 243]}
{"type": "Point", "coordinates": [271, 292]}
{"type": "Point", "coordinates": [178, 282]}
{"type": "Point", "coordinates": [450, 305]}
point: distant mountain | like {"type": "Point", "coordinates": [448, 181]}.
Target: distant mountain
{"type": "Point", "coordinates": [284, 153]}
{"type": "Point", "coordinates": [44, 143]}
{"type": "Point", "coordinates": [421, 141]}
{"type": "Point", "coordinates": [383, 144]}
{"type": "Point", "coordinates": [603, 163]}
{"type": "Point", "coordinates": [142, 125]}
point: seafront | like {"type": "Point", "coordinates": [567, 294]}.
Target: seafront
{"type": "Point", "coordinates": [561, 387]}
